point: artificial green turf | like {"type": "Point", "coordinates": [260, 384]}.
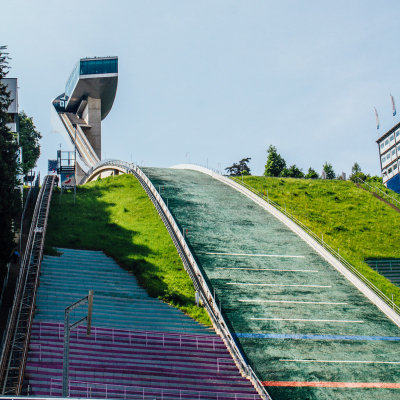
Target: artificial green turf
{"type": "Point", "coordinates": [267, 281]}
{"type": "Point", "coordinates": [115, 215]}
{"type": "Point", "coordinates": [350, 219]}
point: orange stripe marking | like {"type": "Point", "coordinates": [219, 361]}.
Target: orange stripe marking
{"type": "Point", "coordinates": [382, 385]}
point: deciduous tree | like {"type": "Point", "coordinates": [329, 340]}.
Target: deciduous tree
{"type": "Point", "coordinates": [292, 172]}
{"type": "Point", "coordinates": [9, 199]}
{"type": "Point", "coordinates": [328, 170]}
{"type": "Point", "coordinates": [312, 174]}
{"type": "Point", "coordinates": [29, 141]}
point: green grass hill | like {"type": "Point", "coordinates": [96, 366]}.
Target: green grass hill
{"type": "Point", "coordinates": [349, 218]}
{"type": "Point", "coordinates": [115, 215]}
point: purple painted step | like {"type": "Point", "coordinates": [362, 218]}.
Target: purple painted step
{"type": "Point", "coordinates": [54, 387]}
{"type": "Point", "coordinates": [150, 360]}
{"type": "Point", "coordinates": [88, 390]}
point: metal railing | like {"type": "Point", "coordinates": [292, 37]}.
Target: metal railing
{"type": "Point", "coordinates": [15, 349]}
{"type": "Point", "coordinates": [84, 148]}
{"type": "Point", "coordinates": [113, 391]}
{"type": "Point", "coordinates": [191, 267]}
{"type": "Point", "coordinates": [112, 163]}
{"type": "Point", "coordinates": [332, 251]}
{"type": "Point", "coordinates": [378, 191]}
{"type": "Point", "coordinates": [145, 337]}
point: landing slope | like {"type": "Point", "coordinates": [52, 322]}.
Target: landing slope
{"type": "Point", "coordinates": [298, 320]}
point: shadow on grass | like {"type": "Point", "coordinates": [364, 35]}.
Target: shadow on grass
{"type": "Point", "coordinates": [88, 225]}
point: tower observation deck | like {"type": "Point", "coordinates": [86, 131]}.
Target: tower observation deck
{"type": "Point", "coordinates": [88, 97]}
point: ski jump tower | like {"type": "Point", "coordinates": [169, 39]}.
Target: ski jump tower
{"type": "Point", "coordinates": [87, 100]}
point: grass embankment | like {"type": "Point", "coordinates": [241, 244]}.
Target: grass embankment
{"type": "Point", "coordinates": [116, 216]}
{"type": "Point", "coordinates": [349, 218]}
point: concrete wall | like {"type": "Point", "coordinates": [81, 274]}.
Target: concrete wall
{"type": "Point", "coordinates": [92, 114]}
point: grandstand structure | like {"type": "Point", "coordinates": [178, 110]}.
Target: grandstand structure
{"type": "Point", "coordinates": [139, 347]}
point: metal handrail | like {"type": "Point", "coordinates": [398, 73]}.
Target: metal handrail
{"type": "Point", "coordinates": [48, 188]}
{"type": "Point", "coordinates": [191, 267]}
{"type": "Point", "coordinates": [373, 188]}
{"type": "Point", "coordinates": [90, 157]}
{"type": "Point", "coordinates": [149, 336]}
{"type": "Point", "coordinates": [107, 162]}
{"type": "Point", "coordinates": [35, 239]}
{"type": "Point", "coordinates": [333, 252]}
{"type": "Point", "coordinates": [18, 292]}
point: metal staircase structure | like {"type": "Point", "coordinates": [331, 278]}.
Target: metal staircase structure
{"type": "Point", "coordinates": [15, 346]}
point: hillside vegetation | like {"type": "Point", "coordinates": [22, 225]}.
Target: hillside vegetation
{"type": "Point", "coordinates": [349, 218]}
{"type": "Point", "coordinates": [116, 216]}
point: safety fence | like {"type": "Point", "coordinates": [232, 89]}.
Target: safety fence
{"type": "Point", "coordinates": [332, 251]}
{"type": "Point", "coordinates": [15, 346]}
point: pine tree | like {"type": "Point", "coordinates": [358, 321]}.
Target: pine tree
{"type": "Point", "coordinates": [9, 200]}
{"type": "Point", "coordinates": [275, 163]}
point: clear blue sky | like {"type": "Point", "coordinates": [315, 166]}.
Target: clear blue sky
{"type": "Point", "coordinates": [218, 80]}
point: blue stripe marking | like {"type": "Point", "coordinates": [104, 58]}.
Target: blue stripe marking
{"type": "Point", "coordinates": [314, 337]}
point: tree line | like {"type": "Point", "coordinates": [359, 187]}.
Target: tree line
{"type": "Point", "coordinates": [276, 167]}
{"type": "Point", "coordinates": [10, 167]}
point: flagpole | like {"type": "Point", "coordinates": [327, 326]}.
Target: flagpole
{"type": "Point", "coordinates": [377, 118]}
{"type": "Point", "coordinates": [393, 108]}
